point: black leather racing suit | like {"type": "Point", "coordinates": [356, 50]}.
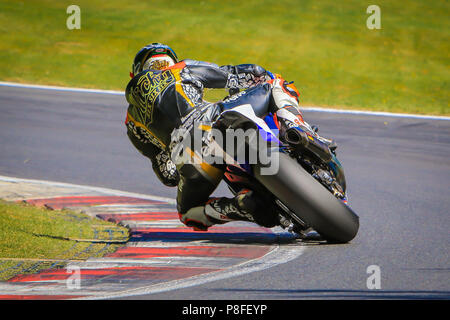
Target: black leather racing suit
{"type": "Point", "coordinates": [161, 101]}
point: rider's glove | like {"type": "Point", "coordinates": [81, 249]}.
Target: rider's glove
{"type": "Point", "coordinates": [243, 76]}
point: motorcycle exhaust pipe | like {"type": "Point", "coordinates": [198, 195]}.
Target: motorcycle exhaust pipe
{"type": "Point", "coordinates": [301, 140]}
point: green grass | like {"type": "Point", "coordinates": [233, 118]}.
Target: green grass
{"type": "Point", "coordinates": [30, 236]}
{"type": "Point", "coordinates": [324, 46]}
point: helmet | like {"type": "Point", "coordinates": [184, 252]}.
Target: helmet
{"type": "Point", "coordinates": [153, 56]}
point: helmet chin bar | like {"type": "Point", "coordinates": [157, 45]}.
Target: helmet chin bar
{"type": "Point", "coordinates": [158, 62]}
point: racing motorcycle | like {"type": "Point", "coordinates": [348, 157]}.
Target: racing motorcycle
{"type": "Point", "coordinates": [308, 186]}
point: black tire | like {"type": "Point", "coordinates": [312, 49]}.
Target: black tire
{"type": "Point", "coordinates": [308, 199]}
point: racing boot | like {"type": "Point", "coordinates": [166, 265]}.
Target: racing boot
{"type": "Point", "coordinates": [216, 211]}
{"type": "Point", "coordinates": [243, 207]}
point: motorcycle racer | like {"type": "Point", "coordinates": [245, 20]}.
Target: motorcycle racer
{"type": "Point", "coordinates": [165, 94]}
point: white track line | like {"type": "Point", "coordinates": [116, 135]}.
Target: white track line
{"type": "Point", "coordinates": [55, 88]}
{"type": "Point", "coordinates": [175, 261]}
{"type": "Point", "coordinates": [374, 113]}
{"type": "Point", "coordinates": [89, 188]}
{"type": "Point", "coordinates": [306, 108]}
{"type": "Point", "coordinates": [280, 255]}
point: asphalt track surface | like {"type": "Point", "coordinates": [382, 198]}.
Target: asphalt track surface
{"type": "Point", "coordinates": [398, 176]}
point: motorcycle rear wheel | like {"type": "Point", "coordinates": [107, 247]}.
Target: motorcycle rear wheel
{"type": "Point", "coordinates": [309, 200]}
